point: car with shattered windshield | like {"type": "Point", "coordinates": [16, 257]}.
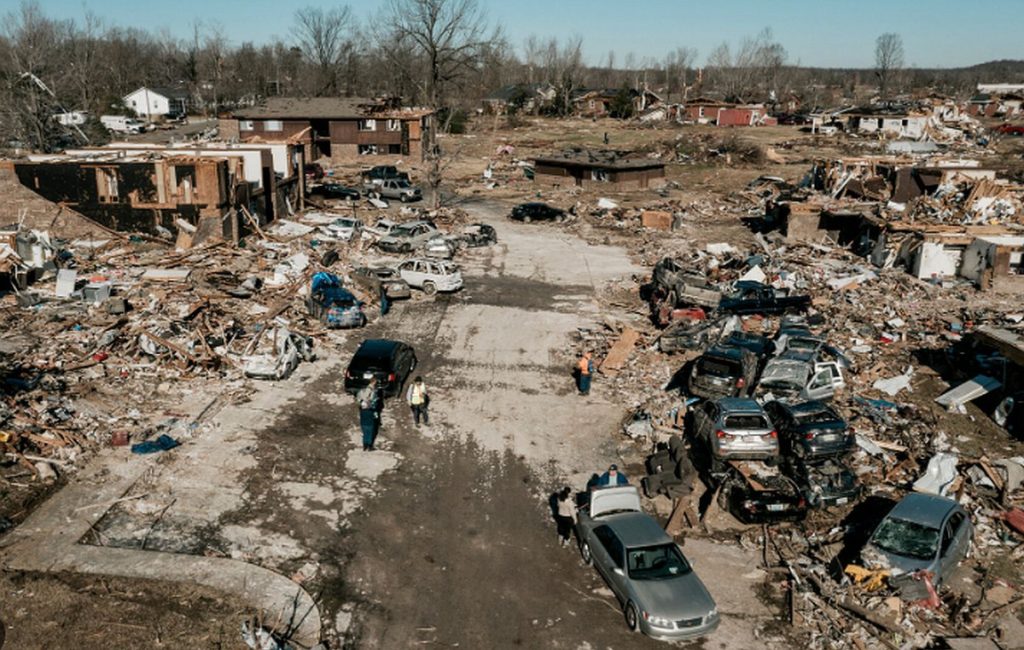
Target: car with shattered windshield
{"type": "Point", "coordinates": [756, 493]}
{"type": "Point", "coordinates": [923, 532]}
{"type": "Point", "coordinates": [797, 377]}
{"type": "Point", "coordinates": [654, 583]}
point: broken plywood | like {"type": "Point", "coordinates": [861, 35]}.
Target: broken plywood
{"type": "Point", "coordinates": [619, 352]}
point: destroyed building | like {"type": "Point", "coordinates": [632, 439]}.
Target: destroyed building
{"type": "Point", "coordinates": [584, 167]}
{"type": "Point", "coordinates": [337, 127]}
{"type": "Point", "coordinates": [601, 102]}
{"type": "Point", "coordinates": [148, 188]}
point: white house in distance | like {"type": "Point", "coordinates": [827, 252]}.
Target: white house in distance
{"type": "Point", "coordinates": [153, 103]}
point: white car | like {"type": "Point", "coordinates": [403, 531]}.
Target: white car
{"type": "Point", "coordinates": [431, 276]}
{"type": "Point", "coordinates": [343, 228]}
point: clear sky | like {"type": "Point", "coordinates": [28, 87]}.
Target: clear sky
{"type": "Point", "coordinates": [826, 33]}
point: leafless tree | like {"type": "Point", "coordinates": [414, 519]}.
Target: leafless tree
{"type": "Point", "coordinates": [888, 60]}
{"type": "Point", "coordinates": [563, 65]}
{"type": "Point", "coordinates": [752, 69]}
{"type": "Point", "coordinates": [677, 65]}
{"type": "Point", "coordinates": [448, 34]}
{"type": "Point", "coordinates": [324, 37]}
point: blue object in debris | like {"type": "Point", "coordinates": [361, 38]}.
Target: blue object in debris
{"type": "Point", "coordinates": [163, 443]}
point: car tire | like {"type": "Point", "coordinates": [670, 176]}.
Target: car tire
{"type": "Point", "coordinates": [403, 198]}
{"type": "Point", "coordinates": [527, 218]}
{"type": "Point", "coordinates": [632, 617]}
{"type": "Point", "coordinates": [405, 248]}
{"type": "Point", "coordinates": [560, 218]}
{"type": "Point", "coordinates": [585, 554]}
{"type": "Point", "coordinates": [429, 288]}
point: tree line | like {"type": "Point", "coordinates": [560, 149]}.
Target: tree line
{"type": "Point", "coordinates": [443, 53]}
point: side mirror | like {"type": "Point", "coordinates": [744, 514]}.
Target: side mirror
{"type": "Point", "coordinates": [619, 572]}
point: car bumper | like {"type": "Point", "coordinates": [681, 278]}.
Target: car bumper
{"type": "Point", "coordinates": [681, 634]}
{"type": "Point", "coordinates": [825, 449]}
{"type": "Point", "coordinates": [453, 285]}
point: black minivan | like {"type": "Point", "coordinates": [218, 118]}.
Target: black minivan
{"type": "Point", "coordinates": [390, 361]}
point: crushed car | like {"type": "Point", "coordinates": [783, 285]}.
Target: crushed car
{"type": "Point", "coordinates": [372, 278]}
{"type": "Point", "coordinates": [332, 304]}
{"type": "Point", "coordinates": [477, 235]}
{"type": "Point", "coordinates": [750, 297]}
{"type": "Point", "coordinates": [343, 229]}
{"type": "Point", "coordinates": [823, 482]}
{"type": "Point", "coordinates": [407, 237]}
{"type": "Point", "coordinates": [676, 286]}
{"type": "Point", "coordinates": [798, 376]}
{"type": "Point", "coordinates": [275, 354]}
{"type": "Point", "coordinates": [689, 334]}
{"type": "Point", "coordinates": [756, 493]}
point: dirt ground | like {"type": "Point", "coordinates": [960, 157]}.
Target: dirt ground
{"type": "Point", "coordinates": [70, 610]}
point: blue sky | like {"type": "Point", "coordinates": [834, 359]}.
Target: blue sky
{"type": "Point", "coordinates": [938, 33]}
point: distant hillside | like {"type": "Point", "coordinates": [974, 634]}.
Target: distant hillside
{"type": "Point", "coordinates": [1007, 71]}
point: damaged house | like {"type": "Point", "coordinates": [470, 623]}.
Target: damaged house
{"type": "Point", "coordinates": [893, 122]}
{"type": "Point", "coordinates": [603, 102]}
{"type": "Point", "coordinates": [337, 127]}
{"type": "Point", "coordinates": [584, 167]}
{"type": "Point", "coordinates": [518, 98]}
{"type": "Point", "coordinates": [149, 188]}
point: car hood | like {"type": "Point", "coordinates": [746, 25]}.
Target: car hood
{"type": "Point", "coordinates": [674, 598]}
{"type": "Point", "coordinates": [876, 558]}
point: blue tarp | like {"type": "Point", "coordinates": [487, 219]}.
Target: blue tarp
{"type": "Point", "coordinates": [163, 443]}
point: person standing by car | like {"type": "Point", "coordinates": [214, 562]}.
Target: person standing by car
{"type": "Point", "coordinates": [370, 406]}
{"type": "Point", "coordinates": [565, 515]}
{"type": "Point", "coordinates": [585, 372]}
{"type": "Point", "coordinates": [385, 304]}
{"type": "Point", "coordinates": [612, 478]}
{"type": "Point", "coordinates": [418, 399]}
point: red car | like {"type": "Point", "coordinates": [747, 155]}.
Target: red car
{"type": "Point", "coordinates": [1011, 129]}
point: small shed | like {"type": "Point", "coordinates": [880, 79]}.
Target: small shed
{"type": "Point", "coordinates": [584, 167]}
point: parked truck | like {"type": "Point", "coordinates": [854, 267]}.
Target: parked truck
{"type": "Point", "coordinates": [122, 124]}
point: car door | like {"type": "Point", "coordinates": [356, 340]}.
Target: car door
{"type": "Point", "coordinates": [412, 272]}
{"type": "Point", "coordinates": [820, 386]}
{"type": "Point", "coordinates": [953, 544]}
{"type": "Point", "coordinates": [609, 556]}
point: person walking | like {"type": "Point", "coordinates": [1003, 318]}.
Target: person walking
{"type": "Point", "coordinates": [385, 304]}
{"type": "Point", "coordinates": [585, 372]}
{"type": "Point", "coordinates": [418, 400]}
{"type": "Point", "coordinates": [370, 406]}
{"type": "Point", "coordinates": [565, 515]}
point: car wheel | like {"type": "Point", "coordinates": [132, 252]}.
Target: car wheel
{"type": "Point", "coordinates": [429, 288]}
{"type": "Point", "coordinates": [632, 618]}
{"type": "Point", "coordinates": [405, 248]}
{"type": "Point", "coordinates": [527, 218]}
{"type": "Point", "coordinates": [588, 557]}
{"type": "Point", "coordinates": [403, 198]}
{"type": "Point", "coordinates": [560, 218]}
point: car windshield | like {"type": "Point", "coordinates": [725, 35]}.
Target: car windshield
{"type": "Point", "coordinates": [402, 183]}
{"type": "Point", "coordinates": [717, 368]}
{"type": "Point", "coordinates": [785, 374]}
{"type": "Point", "coordinates": [656, 562]}
{"type": "Point", "coordinates": [745, 421]}
{"type": "Point", "coordinates": [802, 344]}
{"type": "Point", "coordinates": [403, 231]}
{"type": "Point", "coordinates": [344, 223]}
{"type": "Point", "coordinates": [907, 538]}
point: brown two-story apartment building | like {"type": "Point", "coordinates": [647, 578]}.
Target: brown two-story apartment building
{"type": "Point", "coordinates": [339, 127]}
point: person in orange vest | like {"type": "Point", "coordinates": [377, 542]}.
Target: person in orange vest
{"type": "Point", "coordinates": [585, 372]}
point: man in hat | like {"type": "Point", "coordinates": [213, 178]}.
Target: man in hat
{"type": "Point", "coordinates": [612, 477]}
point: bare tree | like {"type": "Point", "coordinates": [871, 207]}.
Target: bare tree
{"type": "Point", "coordinates": [564, 67]}
{"type": "Point", "coordinates": [677, 65]}
{"type": "Point", "coordinates": [324, 37]}
{"type": "Point", "coordinates": [888, 60]}
{"type": "Point", "coordinates": [448, 34]}
{"type": "Point", "coordinates": [751, 70]}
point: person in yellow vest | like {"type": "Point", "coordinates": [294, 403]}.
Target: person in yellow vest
{"type": "Point", "coordinates": [584, 373]}
{"type": "Point", "coordinates": [418, 400]}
